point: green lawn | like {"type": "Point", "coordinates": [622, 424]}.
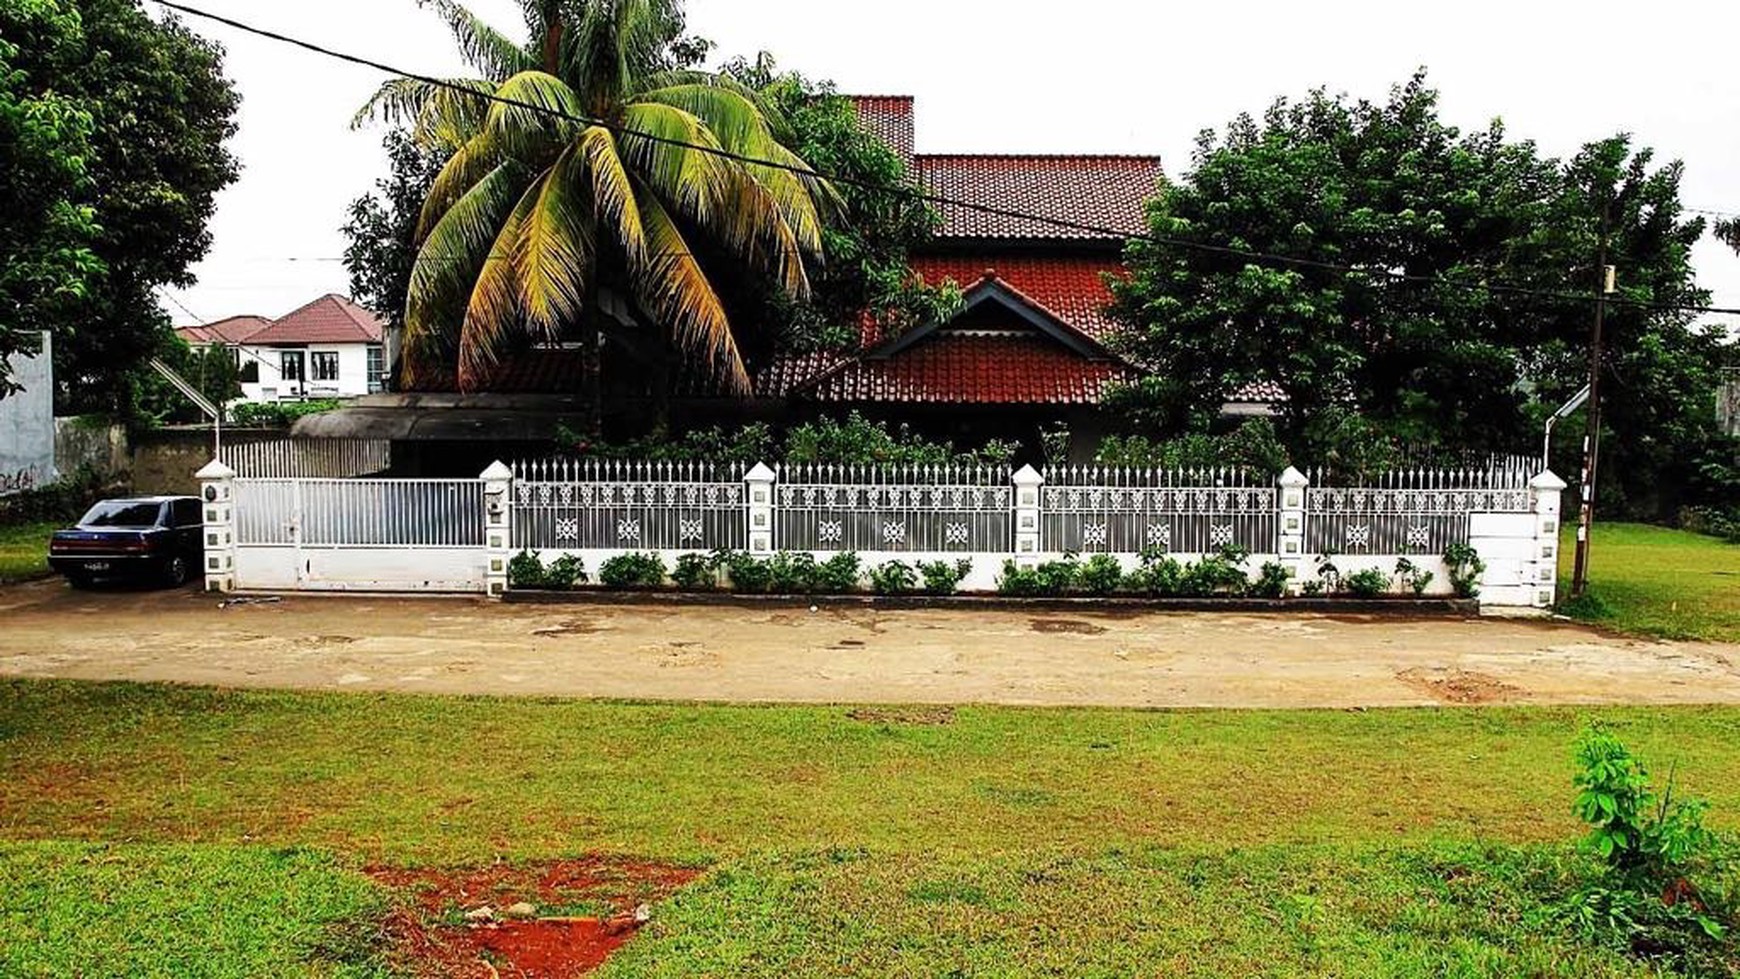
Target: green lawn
{"type": "Point", "coordinates": [24, 550]}
{"type": "Point", "coordinates": [1658, 582]}
{"type": "Point", "coordinates": [1003, 842]}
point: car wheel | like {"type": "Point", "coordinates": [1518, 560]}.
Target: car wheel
{"type": "Point", "coordinates": [175, 571]}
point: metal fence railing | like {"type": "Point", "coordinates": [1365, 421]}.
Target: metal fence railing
{"type": "Point", "coordinates": [1129, 510]}
{"type": "Point", "coordinates": [899, 508]}
{"type": "Point", "coordinates": [314, 458]}
{"type": "Point", "coordinates": [360, 512]}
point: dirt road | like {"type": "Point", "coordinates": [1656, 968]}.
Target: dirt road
{"type": "Point", "coordinates": [453, 645]}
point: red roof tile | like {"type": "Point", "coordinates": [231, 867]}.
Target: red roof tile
{"type": "Point", "coordinates": [329, 319]}
{"type": "Point", "coordinates": [1101, 191]}
{"type": "Point", "coordinates": [235, 329]}
{"type": "Point", "coordinates": [888, 118]}
{"type": "Point", "coordinates": [1071, 288]}
{"type": "Point", "coordinates": [973, 368]}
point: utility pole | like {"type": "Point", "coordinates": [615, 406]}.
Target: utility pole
{"type": "Point", "coordinates": [1604, 276]}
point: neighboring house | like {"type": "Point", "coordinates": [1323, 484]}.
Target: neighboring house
{"type": "Point", "coordinates": [330, 348]}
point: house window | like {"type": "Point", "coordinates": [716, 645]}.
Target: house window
{"type": "Point", "coordinates": [290, 365]}
{"type": "Point", "coordinates": [377, 369]}
{"type": "Point", "coordinates": [325, 365]}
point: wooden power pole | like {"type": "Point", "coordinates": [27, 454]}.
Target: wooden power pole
{"type": "Point", "coordinates": [1592, 434]}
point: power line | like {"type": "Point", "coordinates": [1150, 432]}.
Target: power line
{"type": "Point", "coordinates": [917, 193]}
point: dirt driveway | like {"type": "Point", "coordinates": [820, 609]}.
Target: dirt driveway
{"type": "Point", "coordinates": [456, 645]}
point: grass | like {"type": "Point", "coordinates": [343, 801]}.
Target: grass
{"type": "Point", "coordinates": [24, 550]}
{"type": "Point", "coordinates": [1005, 842]}
{"type": "Point", "coordinates": [1657, 582]}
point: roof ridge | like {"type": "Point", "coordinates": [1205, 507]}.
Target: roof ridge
{"type": "Point", "coordinates": [1155, 157]}
{"type": "Point", "coordinates": [993, 276]}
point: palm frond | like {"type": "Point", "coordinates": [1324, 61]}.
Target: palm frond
{"type": "Point", "coordinates": [658, 146]}
{"type": "Point", "coordinates": [671, 285]}
{"type": "Point", "coordinates": [556, 246]}
{"type": "Point", "coordinates": [474, 159]}
{"type": "Point", "coordinates": [614, 198]}
{"type": "Point", "coordinates": [493, 309]}
{"type": "Point", "coordinates": [674, 77]}
{"type": "Point", "coordinates": [439, 115]}
{"type": "Point", "coordinates": [449, 260]}
{"type": "Point", "coordinates": [538, 118]}
{"type": "Point", "coordinates": [483, 47]}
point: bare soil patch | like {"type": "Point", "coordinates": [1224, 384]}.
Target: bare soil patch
{"type": "Point", "coordinates": [903, 715]}
{"type": "Point", "coordinates": [541, 921]}
{"type": "Point", "coordinates": [1461, 686]}
{"type": "Point", "coordinates": [1075, 627]}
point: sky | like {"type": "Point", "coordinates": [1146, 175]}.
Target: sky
{"type": "Point", "coordinates": [990, 76]}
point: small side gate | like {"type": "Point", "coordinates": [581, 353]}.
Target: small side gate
{"type": "Point", "coordinates": [359, 534]}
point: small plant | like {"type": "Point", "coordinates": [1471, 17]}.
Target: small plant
{"type": "Point", "coordinates": [893, 578]}
{"type": "Point", "coordinates": [696, 572]}
{"type": "Point", "coordinates": [839, 574]}
{"type": "Point", "coordinates": [1466, 567]}
{"type": "Point", "coordinates": [526, 570]}
{"type": "Point", "coordinates": [1328, 575]}
{"type": "Point", "coordinates": [1216, 574]}
{"type": "Point", "coordinates": [747, 573]}
{"type": "Point", "coordinates": [565, 572]}
{"type": "Point", "coordinates": [1369, 583]}
{"type": "Point", "coordinates": [1100, 575]}
{"type": "Point", "coordinates": [1159, 576]}
{"type": "Point", "coordinates": [1271, 580]}
{"type": "Point", "coordinates": [1057, 577]}
{"type": "Point", "coordinates": [1016, 580]}
{"type": "Point", "coordinates": [632, 571]}
{"type": "Point", "coordinates": [790, 573]}
{"type": "Point", "coordinates": [1311, 589]}
{"type": "Point", "coordinates": [943, 577]}
{"type": "Point", "coordinates": [1413, 577]}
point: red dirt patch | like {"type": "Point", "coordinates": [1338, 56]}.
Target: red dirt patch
{"type": "Point", "coordinates": [430, 936]}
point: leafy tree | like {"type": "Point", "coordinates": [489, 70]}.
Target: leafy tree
{"type": "Point", "coordinates": [1729, 231]}
{"type": "Point", "coordinates": [1447, 354]}
{"type": "Point", "coordinates": [382, 229]}
{"type": "Point", "coordinates": [210, 369]}
{"type": "Point", "coordinates": [535, 213]}
{"type": "Point", "coordinates": [160, 112]}
{"type": "Point", "coordinates": [46, 263]}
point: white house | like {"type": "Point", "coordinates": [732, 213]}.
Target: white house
{"type": "Point", "coordinates": [330, 348]}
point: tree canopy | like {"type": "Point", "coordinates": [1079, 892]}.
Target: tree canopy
{"type": "Point", "coordinates": [1425, 286]}
{"type": "Point", "coordinates": [627, 175]}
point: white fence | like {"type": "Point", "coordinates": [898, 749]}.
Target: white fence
{"type": "Point", "coordinates": [458, 535]}
{"type": "Point", "coordinates": [321, 458]}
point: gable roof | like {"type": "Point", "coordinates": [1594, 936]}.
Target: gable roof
{"type": "Point", "coordinates": [234, 329]}
{"type": "Point", "coordinates": [1069, 287]}
{"type": "Point", "coordinates": [330, 319]}
{"type": "Point", "coordinates": [888, 118]}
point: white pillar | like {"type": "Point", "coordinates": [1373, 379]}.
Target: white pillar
{"type": "Point", "coordinates": [217, 493]}
{"type": "Point", "coordinates": [1546, 490]}
{"type": "Point", "coordinates": [498, 509]}
{"type": "Point", "coordinates": [1290, 526]}
{"type": "Point", "coordinates": [1027, 483]}
{"type": "Point", "coordinates": [759, 508]}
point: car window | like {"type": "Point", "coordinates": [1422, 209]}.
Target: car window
{"type": "Point", "coordinates": [187, 513]}
{"type": "Point", "coordinates": [122, 513]}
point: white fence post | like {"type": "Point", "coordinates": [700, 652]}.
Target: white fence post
{"type": "Point", "coordinates": [1546, 490]}
{"type": "Point", "coordinates": [1290, 528]}
{"type": "Point", "coordinates": [759, 483]}
{"type": "Point", "coordinates": [498, 522]}
{"type": "Point", "coordinates": [217, 492]}
{"type": "Point", "coordinates": [1027, 482]}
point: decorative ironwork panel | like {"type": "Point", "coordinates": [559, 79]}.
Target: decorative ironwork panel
{"type": "Point", "coordinates": [908, 508]}
{"type": "Point", "coordinates": [1127, 511]}
{"type": "Point", "coordinates": [581, 504]}
{"type": "Point", "coordinates": [1408, 513]}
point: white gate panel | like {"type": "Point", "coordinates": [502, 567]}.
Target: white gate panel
{"type": "Point", "coordinates": [434, 569]}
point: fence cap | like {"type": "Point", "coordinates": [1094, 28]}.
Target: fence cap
{"type": "Point", "coordinates": [496, 470]}
{"type": "Point", "coordinates": [214, 470]}
{"type": "Point", "coordinates": [760, 474]}
{"type": "Point", "coordinates": [1027, 476]}
{"type": "Point", "coordinates": [1292, 478]}
{"type": "Point", "coordinates": [1547, 481]}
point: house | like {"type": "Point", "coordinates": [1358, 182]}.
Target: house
{"type": "Point", "coordinates": [329, 348]}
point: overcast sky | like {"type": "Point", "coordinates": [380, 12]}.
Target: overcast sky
{"type": "Point", "coordinates": [1084, 76]}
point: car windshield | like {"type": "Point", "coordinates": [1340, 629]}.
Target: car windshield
{"type": "Point", "coordinates": [122, 513]}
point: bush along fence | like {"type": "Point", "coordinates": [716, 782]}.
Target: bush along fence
{"type": "Point", "coordinates": [1490, 533]}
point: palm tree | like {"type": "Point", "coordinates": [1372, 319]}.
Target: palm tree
{"type": "Point", "coordinates": [534, 207]}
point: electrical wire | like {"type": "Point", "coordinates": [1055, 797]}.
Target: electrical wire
{"type": "Point", "coordinates": [920, 194]}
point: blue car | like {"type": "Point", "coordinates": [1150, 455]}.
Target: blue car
{"type": "Point", "coordinates": [154, 539]}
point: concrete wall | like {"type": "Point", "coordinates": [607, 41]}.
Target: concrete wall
{"type": "Point", "coordinates": [165, 460]}
{"type": "Point", "coordinates": [27, 423]}
{"type": "Point", "coordinates": [91, 443]}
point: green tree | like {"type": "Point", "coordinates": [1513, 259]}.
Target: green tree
{"type": "Point", "coordinates": [1448, 355]}
{"type": "Point", "coordinates": [535, 213]}
{"type": "Point", "coordinates": [160, 112]}
{"type": "Point", "coordinates": [46, 264]}
{"type": "Point", "coordinates": [1729, 231]}
{"type": "Point", "coordinates": [382, 230]}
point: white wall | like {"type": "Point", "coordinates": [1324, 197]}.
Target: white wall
{"type": "Point", "coordinates": [27, 423]}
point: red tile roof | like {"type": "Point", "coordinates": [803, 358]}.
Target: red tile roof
{"type": "Point", "coordinates": [1103, 192]}
{"type": "Point", "coordinates": [888, 118]}
{"type": "Point", "coordinates": [973, 367]}
{"type": "Point", "coordinates": [1071, 288]}
{"type": "Point", "coordinates": [330, 319]}
{"type": "Point", "coordinates": [235, 329]}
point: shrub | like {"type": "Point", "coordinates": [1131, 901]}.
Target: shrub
{"type": "Point", "coordinates": [1057, 577]}
{"type": "Point", "coordinates": [565, 572]}
{"type": "Point", "coordinates": [893, 578]}
{"type": "Point", "coordinates": [1016, 580]}
{"type": "Point", "coordinates": [1466, 567]}
{"type": "Point", "coordinates": [1101, 575]}
{"type": "Point", "coordinates": [696, 572]}
{"type": "Point", "coordinates": [1271, 581]}
{"type": "Point", "coordinates": [792, 573]}
{"type": "Point", "coordinates": [1413, 577]}
{"type": "Point", "coordinates": [746, 572]}
{"type": "Point", "coordinates": [526, 570]}
{"type": "Point", "coordinates": [1311, 589]}
{"type": "Point", "coordinates": [277, 414]}
{"type": "Point", "coordinates": [1712, 521]}
{"type": "Point", "coordinates": [632, 571]}
{"type": "Point", "coordinates": [1158, 577]}
{"type": "Point", "coordinates": [1328, 575]}
{"type": "Point", "coordinates": [1216, 574]}
{"type": "Point", "coordinates": [839, 574]}
{"type": "Point", "coordinates": [943, 577]}
{"type": "Point", "coordinates": [1369, 583]}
